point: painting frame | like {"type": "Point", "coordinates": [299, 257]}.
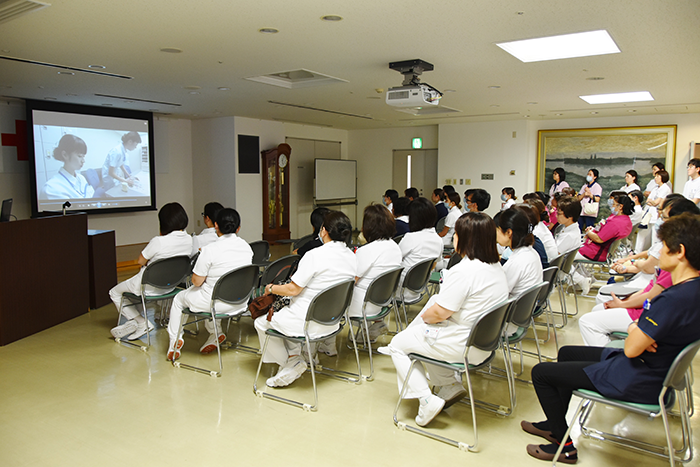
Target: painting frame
{"type": "Point", "coordinates": [573, 137]}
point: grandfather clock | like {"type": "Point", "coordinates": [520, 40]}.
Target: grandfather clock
{"type": "Point", "coordinates": [276, 193]}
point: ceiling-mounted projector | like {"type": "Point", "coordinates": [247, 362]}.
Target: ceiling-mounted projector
{"type": "Point", "coordinates": [412, 93]}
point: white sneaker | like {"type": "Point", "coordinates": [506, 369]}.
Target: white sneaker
{"type": "Point", "coordinates": [288, 373]}
{"type": "Point", "coordinates": [328, 347]}
{"type": "Point", "coordinates": [451, 394]}
{"type": "Point", "coordinates": [210, 345]}
{"type": "Point", "coordinates": [124, 330]}
{"type": "Point", "coordinates": [384, 350]}
{"type": "Point", "coordinates": [174, 349]}
{"type": "Point", "coordinates": [305, 356]}
{"type": "Point", "coordinates": [429, 408]}
{"type": "Point", "coordinates": [141, 330]}
{"type": "Point", "coordinates": [586, 285]}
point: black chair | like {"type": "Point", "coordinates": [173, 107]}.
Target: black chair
{"type": "Point", "coordinates": [279, 270]}
{"type": "Point", "coordinates": [300, 242]}
{"type": "Point", "coordinates": [676, 379]}
{"type": "Point", "coordinates": [416, 281]}
{"type": "Point", "coordinates": [164, 273]}
{"type": "Point", "coordinates": [233, 288]}
{"type": "Point", "coordinates": [398, 238]}
{"type": "Point", "coordinates": [485, 335]}
{"type": "Point", "coordinates": [380, 292]}
{"type": "Point", "coordinates": [326, 308]}
{"type": "Point", "coordinates": [261, 253]}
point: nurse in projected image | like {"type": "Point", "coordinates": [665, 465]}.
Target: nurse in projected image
{"type": "Point", "coordinates": [69, 183]}
{"type": "Point", "coordinates": [116, 170]}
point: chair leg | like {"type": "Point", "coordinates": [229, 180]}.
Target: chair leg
{"type": "Point", "coordinates": [568, 432]}
{"type": "Point", "coordinates": [213, 373]}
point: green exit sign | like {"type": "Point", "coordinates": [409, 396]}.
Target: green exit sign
{"type": "Point", "coordinates": [417, 143]}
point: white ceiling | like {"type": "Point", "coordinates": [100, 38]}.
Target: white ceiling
{"type": "Point", "coordinates": [659, 40]}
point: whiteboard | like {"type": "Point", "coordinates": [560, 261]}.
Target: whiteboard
{"type": "Point", "coordinates": [335, 179]}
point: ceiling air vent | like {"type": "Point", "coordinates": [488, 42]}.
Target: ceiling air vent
{"type": "Point", "coordinates": [296, 79]}
{"type": "Point", "coordinates": [11, 9]}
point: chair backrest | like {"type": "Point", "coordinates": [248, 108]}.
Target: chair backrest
{"type": "Point", "coordinates": [614, 246]}
{"type": "Point", "coordinates": [398, 238]}
{"type": "Point", "coordinates": [417, 276]}
{"type": "Point", "coordinates": [383, 287]}
{"type": "Point", "coordinates": [548, 276]}
{"type": "Point", "coordinates": [193, 261]}
{"type": "Point", "coordinates": [236, 286]}
{"type": "Point", "coordinates": [279, 270]}
{"type": "Point", "coordinates": [676, 376]}
{"type": "Point", "coordinates": [300, 242]}
{"type": "Point", "coordinates": [454, 259]}
{"type": "Point", "coordinates": [488, 328]}
{"type": "Point", "coordinates": [558, 261]}
{"type": "Point", "coordinates": [261, 251]}
{"type": "Point", "coordinates": [525, 305]}
{"type": "Point", "coordinates": [329, 306]}
{"type": "Point", "coordinates": [440, 224]}
{"type": "Point", "coordinates": [558, 229]}
{"type": "Point", "coordinates": [167, 272]}
{"type": "Point", "coordinates": [569, 260]}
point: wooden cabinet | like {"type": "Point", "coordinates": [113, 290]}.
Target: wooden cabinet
{"type": "Point", "coordinates": [275, 163]}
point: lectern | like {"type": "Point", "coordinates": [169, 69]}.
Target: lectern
{"type": "Point", "coordinates": [44, 270]}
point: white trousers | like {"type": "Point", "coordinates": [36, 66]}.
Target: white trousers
{"type": "Point", "coordinates": [278, 350]}
{"type": "Point", "coordinates": [596, 325]}
{"type": "Point", "coordinates": [132, 285]}
{"type": "Point", "coordinates": [197, 299]}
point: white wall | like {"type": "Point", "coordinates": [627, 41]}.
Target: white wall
{"type": "Point", "coordinates": [373, 150]}
{"type": "Point", "coordinates": [467, 150]}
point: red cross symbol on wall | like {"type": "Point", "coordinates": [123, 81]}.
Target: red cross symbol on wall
{"type": "Point", "coordinates": [18, 140]}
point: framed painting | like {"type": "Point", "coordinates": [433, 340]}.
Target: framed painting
{"type": "Point", "coordinates": [613, 151]}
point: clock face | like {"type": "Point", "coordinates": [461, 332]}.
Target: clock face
{"type": "Point", "coordinates": [283, 161]}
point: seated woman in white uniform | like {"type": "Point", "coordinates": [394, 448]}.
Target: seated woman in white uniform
{"type": "Point", "coordinates": [318, 269]}
{"type": "Point", "coordinates": [379, 255]}
{"type": "Point", "coordinates": [523, 268]}
{"type": "Point", "coordinates": [455, 210]}
{"type": "Point", "coordinates": [227, 253]}
{"type": "Point", "coordinates": [69, 183]}
{"type": "Point", "coordinates": [115, 169]}
{"type": "Point", "coordinates": [172, 241]}
{"type": "Point", "coordinates": [442, 328]}
{"type": "Point", "coordinates": [208, 234]}
{"type": "Point", "coordinates": [421, 242]}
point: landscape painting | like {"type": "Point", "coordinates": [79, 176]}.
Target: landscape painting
{"type": "Point", "coordinates": [612, 151]}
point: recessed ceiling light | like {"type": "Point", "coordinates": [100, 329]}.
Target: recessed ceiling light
{"type": "Point", "coordinates": [332, 18]}
{"type": "Point", "coordinates": [494, 87]}
{"type": "Point", "coordinates": [582, 44]}
{"type": "Point", "coordinates": [618, 97]}
{"type": "Point", "coordinates": [268, 30]}
{"type": "Point", "coordinates": [595, 78]}
{"type": "Point", "coordinates": [171, 50]}
{"type": "Point", "coordinates": [99, 67]}
{"type": "Point", "coordinates": [224, 89]}
{"type": "Point", "coordinates": [66, 73]}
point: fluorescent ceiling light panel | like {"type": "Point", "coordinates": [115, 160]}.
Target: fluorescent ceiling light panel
{"type": "Point", "coordinates": [618, 97]}
{"type": "Point", "coordinates": [582, 44]}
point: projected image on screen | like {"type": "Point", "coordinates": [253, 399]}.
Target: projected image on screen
{"type": "Point", "coordinates": [95, 162]}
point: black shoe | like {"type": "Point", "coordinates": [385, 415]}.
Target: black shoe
{"type": "Point", "coordinates": [546, 452]}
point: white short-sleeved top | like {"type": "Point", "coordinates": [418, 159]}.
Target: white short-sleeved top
{"type": "Point", "coordinates": [636, 215]}
{"type": "Point", "coordinates": [204, 238]}
{"type": "Point", "coordinates": [471, 288]}
{"type": "Point", "coordinates": [225, 254]}
{"type": "Point", "coordinates": [568, 239]}
{"type": "Point", "coordinates": [508, 204]}
{"type": "Point", "coordinates": [630, 188]}
{"type": "Point", "coordinates": [176, 243]}
{"type": "Point", "coordinates": [374, 259]}
{"type": "Point", "coordinates": [115, 158]}
{"type": "Point", "coordinates": [320, 268]}
{"type": "Point", "coordinates": [523, 270]}
{"type": "Point", "coordinates": [453, 214]}
{"type": "Point", "coordinates": [691, 190]}
{"type": "Point", "coordinates": [63, 185]}
{"type": "Point", "coordinates": [418, 246]}
{"type": "Point", "coordinates": [550, 246]}
{"type": "Point", "coordinates": [659, 192]}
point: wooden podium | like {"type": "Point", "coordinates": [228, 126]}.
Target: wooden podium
{"type": "Point", "coordinates": [44, 270]}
